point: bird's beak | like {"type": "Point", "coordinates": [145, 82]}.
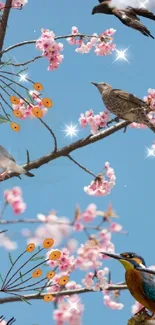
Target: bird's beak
{"type": "Point", "coordinates": [94, 83]}
{"type": "Point", "coordinates": [115, 256]}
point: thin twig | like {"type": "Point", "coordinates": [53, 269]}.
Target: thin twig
{"type": "Point", "coordinates": [24, 63]}
{"type": "Point", "coordinates": [52, 133]}
{"type": "Point", "coordinates": [82, 167]}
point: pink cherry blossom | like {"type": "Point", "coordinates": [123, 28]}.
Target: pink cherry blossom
{"type": "Point", "coordinates": [14, 198]}
{"type": "Point", "coordinates": [136, 307]}
{"type": "Point", "coordinates": [49, 48]}
{"type": "Point", "coordinates": [90, 213]}
{"type": "Point", "coordinates": [108, 302]}
{"type": "Point", "coordinates": [69, 311]}
{"type": "Point", "coordinates": [96, 122]}
{"type": "Point", "coordinates": [115, 227]}
{"type": "Point", "coordinates": [102, 186]}
{"type": "Point", "coordinates": [102, 43]}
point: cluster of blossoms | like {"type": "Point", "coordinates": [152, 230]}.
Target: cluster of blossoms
{"type": "Point", "coordinates": [102, 184]}
{"type": "Point", "coordinates": [15, 4]}
{"type": "Point", "coordinates": [96, 122]}
{"type": "Point", "coordinates": [34, 106]}
{"type": "Point", "coordinates": [50, 49]}
{"type": "Point", "coordinates": [14, 199]}
{"type": "Point", "coordinates": [150, 100]}
{"type": "Point", "coordinates": [69, 310]}
{"type": "Point", "coordinates": [102, 44]}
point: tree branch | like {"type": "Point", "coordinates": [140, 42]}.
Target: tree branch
{"type": "Point", "coordinates": [62, 293]}
{"type": "Point", "coordinates": [3, 24]}
{"type": "Point", "coordinates": [63, 152]}
{"type": "Point", "coordinates": [56, 38]}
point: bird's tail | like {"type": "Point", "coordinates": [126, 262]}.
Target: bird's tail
{"type": "Point", "coordinates": [151, 126]}
{"type": "Point", "coordinates": [29, 174]}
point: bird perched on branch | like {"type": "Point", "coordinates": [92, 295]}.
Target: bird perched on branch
{"type": "Point", "coordinates": [8, 164]}
{"type": "Point", "coordinates": [124, 105]}
{"type": "Point", "coordinates": [140, 284]}
{"type": "Point", "coordinates": [128, 16]}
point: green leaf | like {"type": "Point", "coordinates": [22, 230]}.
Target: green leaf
{"type": "Point", "coordinates": [23, 299]}
{"type": "Point", "coordinates": [10, 258]}
{"type": "Point", "coordinates": [6, 63]}
{"type": "Point", "coordinates": [23, 70]}
{"type": "Point", "coordinates": [30, 97]}
{"type": "Point", "coordinates": [1, 278]}
{"type": "Point", "coordinates": [3, 119]}
{"type": "Point", "coordinates": [21, 276]}
{"type": "Point", "coordinates": [37, 258]}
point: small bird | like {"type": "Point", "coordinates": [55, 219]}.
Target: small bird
{"type": "Point", "coordinates": [8, 164]}
{"type": "Point", "coordinates": [140, 284]}
{"type": "Point", "coordinates": [124, 105]}
{"type": "Point", "coordinates": [128, 15]}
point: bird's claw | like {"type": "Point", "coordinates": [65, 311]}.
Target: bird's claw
{"type": "Point", "coordinates": [116, 119]}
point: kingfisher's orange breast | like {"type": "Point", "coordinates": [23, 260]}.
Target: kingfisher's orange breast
{"type": "Point", "coordinates": [134, 283]}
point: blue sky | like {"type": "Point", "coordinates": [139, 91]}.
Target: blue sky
{"type": "Point", "coordinates": [59, 185]}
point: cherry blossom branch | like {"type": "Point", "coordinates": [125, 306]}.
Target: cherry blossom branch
{"type": "Point", "coordinates": [111, 287]}
{"type": "Point", "coordinates": [11, 47]}
{"type": "Point", "coordinates": [65, 151]}
{"type": "Point", "coordinates": [82, 167]}
{"type": "Point", "coordinates": [4, 21]}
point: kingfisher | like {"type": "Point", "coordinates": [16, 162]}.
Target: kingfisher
{"type": "Point", "coordinates": [140, 280]}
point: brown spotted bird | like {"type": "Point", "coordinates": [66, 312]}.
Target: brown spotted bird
{"type": "Point", "coordinates": [124, 105]}
{"type": "Point", "coordinates": [128, 16]}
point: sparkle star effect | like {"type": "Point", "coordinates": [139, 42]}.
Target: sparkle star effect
{"type": "Point", "coordinates": [121, 55]}
{"type": "Point", "coordinates": [150, 152]}
{"type": "Point", "coordinates": [23, 77]}
{"type": "Point", "coordinates": [73, 305]}
{"type": "Point", "coordinates": [142, 4]}
{"type": "Point", "coordinates": [71, 130]}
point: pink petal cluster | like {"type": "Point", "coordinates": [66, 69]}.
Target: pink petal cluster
{"type": "Point", "coordinates": [52, 227]}
{"type": "Point", "coordinates": [89, 255]}
{"type": "Point", "coordinates": [50, 49]}
{"type": "Point", "coordinates": [109, 302]}
{"type": "Point", "coordinates": [136, 307]}
{"type": "Point", "coordinates": [19, 3]}
{"type": "Point", "coordinates": [102, 44]}
{"type": "Point", "coordinates": [69, 311]}
{"type": "Point", "coordinates": [15, 4]}
{"type": "Point", "coordinates": [98, 282]}
{"type": "Point", "coordinates": [150, 100]}
{"type": "Point", "coordinates": [96, 122]}
{"type": "Point", "coordinates": [102, 185]}
{"type": "Point", "coordinates": [65, 263]}
{"type": "Point", "coordinates": [14, 199]}
{"type": "Point", "coordinates": [26, 109]}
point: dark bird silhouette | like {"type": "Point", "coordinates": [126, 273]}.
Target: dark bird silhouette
{"type": "Point", "coordinates": [128, 15]}
{"type": "Point", "coordinates": [124, 105]}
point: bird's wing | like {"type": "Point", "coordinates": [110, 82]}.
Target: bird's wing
{"type": "Point", "coordinates": [148, 284]}
{"type": "Point", "coordinates": [5, 153]}
{"type": "Point", "coordinates": [129, 97]}
{"type": "Point", "coordinates": [129, 18]}
{"type": "Point", "coordinates": [143, 12]}
{"type": "Point", "coordinates": [126, 16]}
